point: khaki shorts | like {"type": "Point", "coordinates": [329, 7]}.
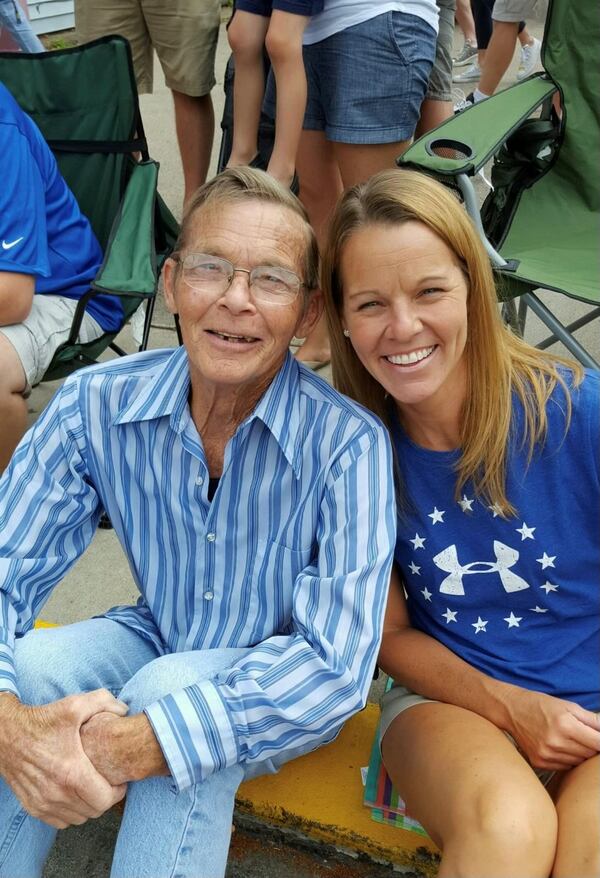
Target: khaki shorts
{"type": "Point", "coordinates": [45, 328]}
{"type": "Point", "coordinates": [440, 78]}
{"type": "Point", "coordinates": [399, 698]}
{"type": "Point", "coordinates": [183, 32]}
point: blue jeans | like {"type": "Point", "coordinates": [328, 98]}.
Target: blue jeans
{"type": "Point", "coordinates": [15, 21]}
{"type": "Point", "coordinates": [189, 831]}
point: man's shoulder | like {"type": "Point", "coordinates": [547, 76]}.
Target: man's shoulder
{"type": "Point", "coordinates": [134, 370]}
{"type": "Point", "coordinates": [317, 392]}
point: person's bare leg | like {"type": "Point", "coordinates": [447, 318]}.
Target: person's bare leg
{"type": "Point", "coordinates": [246, 35]}
{"type": "Point", "coordinates": [499, 54]}
{"type": "Point", "coordinates": [284, 45]}
{"type": "Point", "coordinates": [358, 162]}
{"type": "Point", "coordinates": [320, 187]}
{"type": "Point", "coordinates": [577, 797]}
{"type": "Point", "coordinates": [525, 38]}
{"type": "Point", "coordinates": [433, 113]}
{"type": "Point", "coordinates": [478, 799]}
{"type": "Point", "coordinates": [13, 408]}
{"type": "Point", "coordinates": [195, 126]}
{"type": "Point", "coordinates": [464, 17]}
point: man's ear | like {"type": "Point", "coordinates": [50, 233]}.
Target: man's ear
{"type": "Point", "coordinates": [312, 312]}
{"type": "Point", "coordinates": [169, 274]}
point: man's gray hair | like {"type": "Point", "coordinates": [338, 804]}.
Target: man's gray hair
{"type": "Point", "coordinates": [242, 183]}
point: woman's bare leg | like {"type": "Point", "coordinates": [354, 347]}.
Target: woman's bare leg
{"type": "Point", "coordinates": [464, 17]}
{"type": "Point", "coordinates": [284, 45]}
{"type": "Point", "coordinates": [320, 187]}
{"type": "Point", "coordinates": [473, 792]}
{"type": "Point", "coordinates": [246, 35]}
{"type": "Point", "coordinates": [357, 162]}
{"type": "Point", "coordinates": [577, 799]}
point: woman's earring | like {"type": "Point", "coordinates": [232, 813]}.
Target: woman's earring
{"type": "Point", "coordinates": [347, 333]}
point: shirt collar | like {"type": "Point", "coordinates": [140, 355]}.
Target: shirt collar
{"type": "Point", "coordinates": [166, 394]}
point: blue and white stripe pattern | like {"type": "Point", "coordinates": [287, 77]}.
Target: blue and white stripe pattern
{"type": "Point", "coordinates": [292, 557]}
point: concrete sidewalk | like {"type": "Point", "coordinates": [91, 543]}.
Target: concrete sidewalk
{"type": "Point", "coordinates": [316, 799]}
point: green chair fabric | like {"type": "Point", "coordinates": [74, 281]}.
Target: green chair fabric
{"type": "Point", "coordinates": [550, 239]}
{"type": "Point", "coordinates": [85, 102]}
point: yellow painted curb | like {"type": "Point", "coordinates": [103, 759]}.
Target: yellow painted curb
{"type": "Point", "coordinates": [321, 796]}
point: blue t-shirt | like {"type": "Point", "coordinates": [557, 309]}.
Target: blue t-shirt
{"type": "Point", "coordinates": [42, 230]}
{"type": "Point", "coordinates": [517, 598]}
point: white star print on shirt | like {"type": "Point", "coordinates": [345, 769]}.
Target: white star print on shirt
{"type": "Point", "coordinates": [495, 509]}
{"type": "Point", "coordinates": [418, 542]}
{"type": "Point", "coordinates": [513, 621]}
{"type": "Point", "coordinates": [526, 532]}
{"type": "Point", "coordinates": [465, 504]}
{"type": "Point", "coordinates": [414, 568]}
{"type": "Point", "coordinates": [437, 515]}
{"type": "Point", "coordinates": [537, 609]}
{"type": "Point", "coordinates": [549, 586]}
{"type": "Point", "coordinates": [479, 625]}
{"type": "Point", "coordinates": [450, 615]}
{"type": "Point", "coordinates": [546, 560]}
{"type": "Point", "coordinates": [426, 594]}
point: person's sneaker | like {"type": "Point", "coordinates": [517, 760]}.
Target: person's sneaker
{"type": "Point", "coordinates": [530, 57]}
{"type": "Point", "coordinates": [465, 55]}
{"type": "Point", "coordinates": [464, 103]}
{"type": "Point", "coordinates": [471, 74]}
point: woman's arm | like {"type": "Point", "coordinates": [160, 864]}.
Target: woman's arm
{"type": "Point", "coordinates": [551, 732]}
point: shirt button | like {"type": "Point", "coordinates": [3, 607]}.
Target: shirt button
{"type": "Point", "coordinates": [208, 595]}
{"type": "Point", "coordinates": [211, 537]}
{"type": "Point", "coordinates": [199, 480]}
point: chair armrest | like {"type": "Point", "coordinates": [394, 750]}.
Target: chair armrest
{"type": "Point", "coordinates": [478, 132]}
{"type": "Point", "coordinates": [130, 259]}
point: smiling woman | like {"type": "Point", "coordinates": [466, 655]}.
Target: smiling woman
{"type": "Point", "coordinates": [493, 624]}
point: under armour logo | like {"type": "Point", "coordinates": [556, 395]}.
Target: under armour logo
{"type": "Point", "coordinates": [447, 560]}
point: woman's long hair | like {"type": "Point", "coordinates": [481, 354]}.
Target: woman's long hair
{"type": "Point", "coordinates": [498, 362]}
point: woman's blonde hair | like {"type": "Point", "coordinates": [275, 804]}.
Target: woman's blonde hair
{"type": "Point", "coordinates": [498, 362]}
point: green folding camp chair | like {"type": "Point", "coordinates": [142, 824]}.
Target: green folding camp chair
{"type": "Point", "coordinates": [541, 224]}
{"type": "Point", "coordinates": [85, 102]}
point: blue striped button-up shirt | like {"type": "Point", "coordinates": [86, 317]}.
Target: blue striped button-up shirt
{"type": "Point", "coordinates": [292, 556]}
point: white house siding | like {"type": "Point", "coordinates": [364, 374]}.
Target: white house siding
{"type": "Point", "coordinates": [48, 16]}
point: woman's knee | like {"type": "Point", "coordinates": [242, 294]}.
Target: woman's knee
{"type": "Point", "coordinates": [508, 824]}
{"type": "Point", "coordinates": [171, 673]}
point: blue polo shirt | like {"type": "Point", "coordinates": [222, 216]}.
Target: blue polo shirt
{"type": "Point", "coordinates": [42, 230]}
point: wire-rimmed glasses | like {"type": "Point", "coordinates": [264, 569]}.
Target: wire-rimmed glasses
{"type": "Point", "coordinates": [213, 275]}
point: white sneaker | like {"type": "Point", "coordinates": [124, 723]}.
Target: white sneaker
{"type": "Point", "coordinates": [471, 74]}
{"type": "Point", "coordinates": [530, 57]}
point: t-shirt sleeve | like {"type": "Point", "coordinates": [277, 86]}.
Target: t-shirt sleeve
{"type": "Point", "coordinates": [23, 234]}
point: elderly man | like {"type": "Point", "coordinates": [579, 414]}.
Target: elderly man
{"type": "Point", "coordinates": [255, 506]}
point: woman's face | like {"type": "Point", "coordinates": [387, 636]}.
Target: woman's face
{"type": "Point", "coordinates": [405, 305]}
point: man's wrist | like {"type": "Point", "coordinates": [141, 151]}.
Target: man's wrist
{"type": "Point", "coordinates": [123, 749]}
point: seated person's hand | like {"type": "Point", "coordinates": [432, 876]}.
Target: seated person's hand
{"type": "Point", "coordinates": [44, 763]}
{"type": "Point", "coordinates": [552, 733]}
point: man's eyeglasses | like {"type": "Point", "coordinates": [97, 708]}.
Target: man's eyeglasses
{"type": "Point", "coordinates": [212, 275]}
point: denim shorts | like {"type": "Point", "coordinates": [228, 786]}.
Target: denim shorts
{"type": "Point", "coordinates": [366, 83]}
{"type": "Point", "coordinates": [265, 7]}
